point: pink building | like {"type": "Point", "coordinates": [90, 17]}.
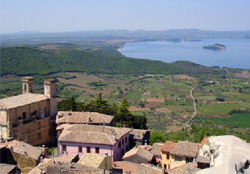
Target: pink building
{"type": "Point", "coordinates": [80, 139]}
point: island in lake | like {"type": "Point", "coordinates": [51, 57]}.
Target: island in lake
{"type": "Point", "coordinates": [215, 47]}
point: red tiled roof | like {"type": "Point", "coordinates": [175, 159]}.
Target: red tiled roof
{"type": "Point", "coordinates": [186, 149]}
{"type": "Point", "coordinates": [168, 146]}
{"type": "Point", "coordinates": [203, 141]}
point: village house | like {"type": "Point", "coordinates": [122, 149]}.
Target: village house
{"type": "Point", "coordinates": [92, 118]}
{"type": "Point", "coordinates": [66, 164]}
{"type": "Point", "coordinates": [24, 155]}
{"type": "Point", "coordinates": [96, 161]}
{"type": "Point", "coordinates": [165, 154]}
{"type": "Point", "coordinates": [27, 116]}
{"type": "Point", "coordinates": [80, 139]}
{"type": "Point", "coordinates": [156, 151]}
{"type": "Point", "coordinates": [8, 168]}
{"type": "Point", "coordinates": [125, 167]}
{"type": "Point", "coordinates": [139, 154]}
{"type": "Point", "coordinates": [46, 162]}
{"type": "Point", "coordinates": [138, 137]}
{"type": "Point", "coordinates": [177, 154]}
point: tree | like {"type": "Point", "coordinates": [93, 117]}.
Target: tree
{"type": "Point", "coordinates": [156, 137]}
{"type": "Point", "coordinates": [123, 115]}
{"type": "Point", "coordinates": [67, 105]}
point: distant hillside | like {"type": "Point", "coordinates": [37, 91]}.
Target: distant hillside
{"type": "Point", "coordinates": [29, 61]}
{"type": "Point", "coordinates": [107, 35]}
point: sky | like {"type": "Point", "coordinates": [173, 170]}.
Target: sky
{"type": "Point", "coordinates": [84, 15]}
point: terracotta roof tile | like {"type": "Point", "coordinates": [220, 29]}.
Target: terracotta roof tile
{"type": "Point", "coordinates": [139, 151]}
{"type": "Point", "coordinates": [149, 169]}
{"type": "Point", "coordinates": [156, 148]}
{"type": "Point", "coordinates": [82, 117]}
{"type": "Point", "coordinates": [92, 134]}
{"type": "Point", "coordinates": [92, 160]}
{"type": "Point", "coordinates": [168, 146]}
{"type": "Point", "coordinates": [185, 148]}
{"type": "Point", "coordinates": [6, 168]}
{"type": "Point", "coordinates": [25, 149]}
{"type": "Point", "coordinates": [203, 141]}
{"type": "Point", "coordinates": [51, 162]}
{"type": "Point", "coordinates": [21, 100]}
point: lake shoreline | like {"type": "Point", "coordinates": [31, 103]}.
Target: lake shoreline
{"type": "Point", "coordinates": [152, 50]}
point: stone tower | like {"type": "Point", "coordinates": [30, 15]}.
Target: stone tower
{"type": "Point", "coordinates": [50, 87]}
{"type": "Point", "coordinates": [50, 92]}
{"type": "Point", "coordinates": [27, 84]}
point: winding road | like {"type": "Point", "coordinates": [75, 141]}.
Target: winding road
{"type": "Point", "coordinates": [194, 107]}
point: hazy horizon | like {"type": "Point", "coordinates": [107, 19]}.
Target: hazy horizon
{"type": "Point", "coordinates": [159, 15]}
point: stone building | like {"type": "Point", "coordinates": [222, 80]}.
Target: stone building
{"type": "Point", "coordinates": [177, 154]}
{"type": "Point", "coordinates": [27, 116]}
{"type": "Point", "coordinates": [24, 155]}
{"type": "Point", "coordinates": [82, 138]}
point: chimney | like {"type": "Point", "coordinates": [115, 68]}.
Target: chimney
{"type": "Point", "coordinates": [145, 142]}
{"type": "Point", "coordinates": [27, 84]}
{"type": "Point", "coordinates": [50, 87]}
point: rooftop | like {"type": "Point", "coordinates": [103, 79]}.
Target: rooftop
{"type": "Point", "coordinates": [140, 151]}
{"type": "Point", "coordinates": [156, 147]}
{"type": "Point", "coordinates": [82, 117]}
{"type": "Point", "coordinates": [51, 162]}
{"type": "Point", "coordinates": [185, 148]}
{"type": "Point", "coordinates": [6, 168]}
{"type": "Point", "coordinates": [168, 146]}
{"type": "Point", "coordinates": [138, 133]}
{"type": "Point", "coordinates": [92, 134]}
{"type": "Point", "coordinates": [25, 149]}
{"type": "Point", "coordinates": [125, 166]}
{"type": "Point", "coordinates": [135, 168]}
{"type": "Point", "coordinates": [92, 160]}
{"type": "Point", "coordinates": [188, 168]}
{"type": "Point", "coordinates": [21, 100]}
{"type": "Point", "coordinates": [149, 169]}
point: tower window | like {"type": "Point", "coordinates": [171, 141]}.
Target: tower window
{"type": "Point", "coordinates": [39, 136]}
{"type": "Point", "coordinates": [24, 115]}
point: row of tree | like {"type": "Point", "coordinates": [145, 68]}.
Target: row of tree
{"type": "Point", "coordinates": [122, 116]}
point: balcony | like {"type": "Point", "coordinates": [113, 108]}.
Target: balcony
{"type": "Point", "coordinates": [15, 125]}
{"type": "Point", "coordinates": [27, 121]}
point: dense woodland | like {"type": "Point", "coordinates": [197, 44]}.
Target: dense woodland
{"type": "Point", "coordinates": [122, 116]}
{"type": "Point", "coordinates": [30, 61]}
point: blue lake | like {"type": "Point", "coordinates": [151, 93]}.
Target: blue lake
{"type": "Point", "coordinates": [236, 54]}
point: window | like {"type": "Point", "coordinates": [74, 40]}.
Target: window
{"type": "Point", "coordinates": [97, 150]}
{"type": "Point", "coordinates": [189, 160]}
{"type": "Point", "coordinates": [126, 139]}
{"type": "Point", "coordinates": [122, 141]}
{"type": "Point", "coordinates": [177, 158]}
{"type": "Point", "coordinates": [24, 115]}
{"type": "Point", "coordinates": [88, 149]}
{"type": "Point", "coordinates": [79, 149]}
{"type": "Point", "coordinates": [123, 152]}
{"type": "Point", "coordinates": [167, 156]}
{"type": "Point", "coordinates": [33, 113]}
{"type": "Point", "coordinates": [39, 125]}
{"type": "Point", "coordinates": [39, 136]}
{"type": "Point", "coordinates": [64, 148]}
{"type": "Point", "coordinates": [119, 144]}
{"type": "Point", "coordinates": [127, 148]}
